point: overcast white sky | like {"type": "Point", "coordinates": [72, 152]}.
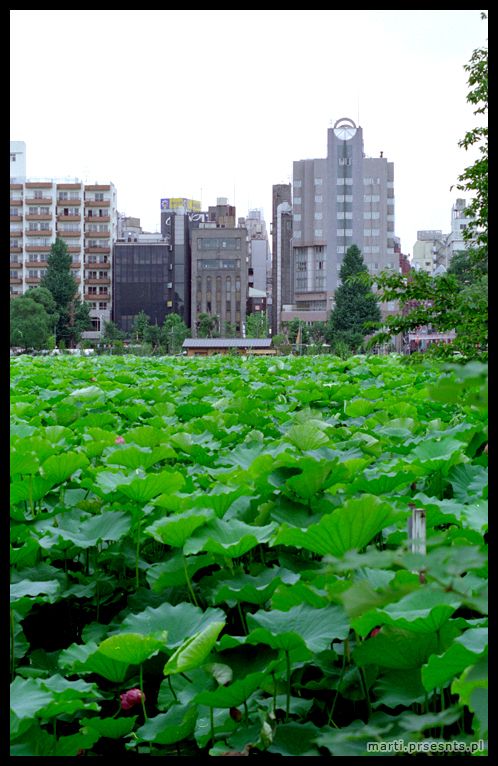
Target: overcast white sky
{"type": "Point", "coordinates": [207, 104]}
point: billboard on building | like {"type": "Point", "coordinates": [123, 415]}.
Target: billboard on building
{"type": "Point", "coordinates": [173, 203]}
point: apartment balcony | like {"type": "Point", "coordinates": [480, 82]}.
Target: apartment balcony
{"type": "Point", "coordinates": [68, 218]}
{"type": "Point", "coordinates": [37, 248]}
{"type": "Point", "coordinates": [16, 281]}
{"type": "Point", "coordinates": [68, 202]}
{"type": "Point", "coordinates": [98, 281]}
{"type": "Point", "coordinates": [16, 264]}
{"type": "Point", "coordinates": [99, 218]}
{"type": "Point", "coordinates": [94, 297]}
{"type": "Point", "coordinates": [97, 187]}
{"type": "Point", "coordinates": [97, 234]}
{"type": "Point", "coordinates": [15, 218]}
{"type": "Point", "coordinates": [38, 217]}
{"type": "Point", "coordinates": [15, 187]}
{"type": "Point", "coordinates": [97, 203]}
{"type": "Point", "coordinates": [97, 250]}
{"type": "Point", "coordinates": [68, 187]}
{"type": "Point", "coordinates": [38, 185]}
{"type": "Point", "coordinates": [74, 249]}
{"type": "Point", "coordinates": [76, 265]}
{"type": "Point", "coordinates": [16, 201]}
{"type": "Point", "coordinates": [33, 280]}
{"type": "Point", "coordinates": [38, 232]}
{"type": "Point", "coordinates": [38, 201]}
{"type": "Point", "coordinates": [98, 266]}
{"type": "Point", "coordinates": [68, 233]}
{"type": "Point", "coordinates": [16, 249]}
{"type": "Point", "coordinates": [36, 264]}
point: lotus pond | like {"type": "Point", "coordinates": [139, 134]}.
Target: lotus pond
{"type": "Point", "coordinates": [212, 555]}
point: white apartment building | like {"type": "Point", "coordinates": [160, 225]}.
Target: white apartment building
{"type": "Point", "coordinates": [84, 216]}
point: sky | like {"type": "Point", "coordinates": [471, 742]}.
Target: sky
{"type": "Point", "coordinates": [206, 104]}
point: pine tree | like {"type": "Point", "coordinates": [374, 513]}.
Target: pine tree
{"type": "Point", "coordinates": [355, 303]}
{"type": "Point", "coordinates": [74, 314]}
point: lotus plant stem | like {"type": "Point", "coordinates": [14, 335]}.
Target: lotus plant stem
{"type": "Point", "coordinates": [171, 689]}
{"type": "Point", "coordinates": [189, 583]}
{"type": "Point", "coordinates": [287, 702]}
{"type": "Point", "coordinates": [242, 618]}
{"type": "Point", "coordinates": [341, 676]}
{"type": "Point", "coordinates": [12, 643]}
{"type": "Point", "coordinates": [365, 691]}
{"type": "Point", "coordinates": [274, 693]}
{"type": "Point", "coordinates": [211, 720]}
{"type": "Point", "coordinates": [137, 556]}
{"type": "Point", "coordinates": [142, 690]}
{"type": "Point", "coordinates": [246, 711]}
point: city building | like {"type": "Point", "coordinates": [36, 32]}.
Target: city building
{"type": "Point", "coordinates": [17, 161]}
{"type": "Point", "coordinates": [431, 251]}
{"type": "Point", "coordinates": [141, 280]}
{"type": "Point", "coordinates": [344, 199]}
{"type": "Point", "coordinates": [209, 346]}
{"type": "Point", "coordinates": [84, 216]}
{"type": "Point", "coordinates": [282, 293]}
{"type": "Point", "coordinates": [459, 222]}
{"type": "Point", "coordinates": [219, 275]}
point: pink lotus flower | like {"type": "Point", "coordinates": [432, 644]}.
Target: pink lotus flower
{"type": "Point", "coordinates": [374, 632]}
{"type": "Point", "coordinates": [119, 440]}
{"type": "Point", "coordinates": [131, 698]}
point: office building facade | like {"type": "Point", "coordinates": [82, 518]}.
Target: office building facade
{"type": "Point", "coordinates": [344, 199]}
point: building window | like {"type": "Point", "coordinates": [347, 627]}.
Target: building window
{"type": "Point", "coordinates": [318, 216]}
{"type": "Point", "coordinates": [297, 216]}
{"type": "Point", "coordinates": [319, 233]}
{"type": "Point", "coordinates": [297, 234]}
{"type": "Point", "coordinates": [298, 184]}
{"type": "Point", "coordinates": [318, 198]}
{"type": "Point", "coordinates": [318, 181]}
{"type": "Point", "coordinates": [345, 160]}
{"type": "Point", "coordinates": [297, 200]}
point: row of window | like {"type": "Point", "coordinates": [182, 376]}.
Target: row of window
{"type": "Point", "coordinates": [298, 184]}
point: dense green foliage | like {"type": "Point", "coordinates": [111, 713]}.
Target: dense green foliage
{"type": "Point", "coordinates": [73, 314]}
{"type": "Point", "coordinates": [356, 306]}
{"type": "Point", "coordinates": [30, 324]}
{"type": "Point", "coordinates": [457, 300]}
{"type": "Point", "coordinates": [212, 555]}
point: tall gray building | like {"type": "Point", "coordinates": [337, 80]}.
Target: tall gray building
{"type": "Point", "coordinates": [282, 264]}
{"type": "Point", "coordinates": [339, 201]}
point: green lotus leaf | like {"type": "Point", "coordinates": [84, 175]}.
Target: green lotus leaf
{"type": "Point", "coordinates": [349, 527]}
{"type": "Point", "coordinates": [251, 589]}
{"type": "Point", "coordinates": [180, 621]}
{"type": "Point", "coordinates": [145, 436]}
{"type": "Point", "coordinates": [422, 611]}
{"type": "Point", "coordinates": [132, 648]}
{"type": "Point", "coordinates": [301, 625]}
{"type": "Point", "coordinates": [465, 651]}
{"type": "Point", "coordinates": [231, 539]}
{"type": "Point", "coordinates": [49, 588]}
{"type": "Point", "coordinates": [85, 658]}
{"type": "Point", "coordinates": [28, 696]}
{"type": "Point", "coordinates": [58, 468]}
{"type": "Point", "coordinates": [113, 728]}
{"type": "Point", "coordinates": [23, 462]}
{"type": "Point", "coordinates": [306, 437]}
{"type": "Point", "coordinates": [74, 744]}
{"type": "Point", "coordinates": [232, 695]}
{"type": "Point", "coordinates": [176, 530]}
{"type": "Point", "coordinates": [29, 490]}
{"type": "Point", "coordinates": [194, 650]}
{"type": "Point", "coordinates": [399, 687]}
{"type": "Point", "coordinates": [193, 410]}
{"type": "Point", "coordinates": [165, 729]}
{"type": "Point", "coordinates": [107, 526]}
{"type": "Point", "coordinates": [295, 739]}
{"type": "Point", "coordinates": [143, 489]}
{"type": "Point", "coordinates": [472, 689]}
{"type": "Point", "coordinates": [131, 457]}
{"type": "Point", "coordinates": [172, 571]}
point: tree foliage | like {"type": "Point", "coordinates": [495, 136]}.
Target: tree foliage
{"type": "Point", "coordinates": [73, 314]}
{"type": "Point", "coordinates": [257, 325]}
{"type": "Point", "coordinates": [356, 306]}
{"type": "Point", "coordinates": [30, 324]}
{"type": "Point", "coordinates": [139, 327]}
{"type": "Point", "coordinates": [207, 325]}
{"type": "Point", "coordinates": [173, 333]}
{"type": "Point", "coordinates": [457, 300]}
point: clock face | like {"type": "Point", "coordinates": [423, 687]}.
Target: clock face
{"type": "Point", "coordinates": [345, 132]}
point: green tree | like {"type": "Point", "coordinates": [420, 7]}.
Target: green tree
{"type": "Point", "coordinates": [153, 336]}
{"type": "Point", "coordinates": [173, 333]}
{"type": "Point", "coordinates": [230, 330]}
{"type": "Point", "coordinates": [474, 179]}
{"type": "Point", "coordinates": [257, 325]}
{"type": "Point", "coordinates": [457, 300]}
{"type": "Point", "coordinates": [112, 332]}
{"type": "Point", "coordinates": [139, 327]}
{"type": "Point", "coordinates": [207, 326]}
{"type": "Point", "coordinates": [356, 305]}
{"type": "Point", "coordinates": [73, 314]}
{"type": "Point", "coordinates": [30, 324]}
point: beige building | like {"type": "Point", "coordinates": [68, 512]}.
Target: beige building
{"type": "Point", "coordinates": [84, 216]}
